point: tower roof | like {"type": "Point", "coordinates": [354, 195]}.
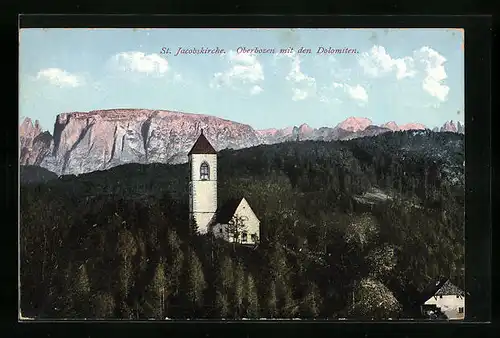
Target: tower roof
{"type": "Point", "coordinates": [227, 210]}
{"type": "Point", "coordinates": [449, 289]}
{"type": "Point", "coordinates": [440, 287]}
{"type": "Point", "coordinates": [202, 146]}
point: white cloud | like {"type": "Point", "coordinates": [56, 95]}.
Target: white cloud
{"type": "Point", "coordinates": [139, 62]}
{"type": "Point", "coordinates": [256, 90]}
{"type": "Point", "coordinates": [377, 62]}
{"type": "Point", "coordinates": [60, 77]}
{"type": "Point", "coordinates": [329, 99]}
{"type": "Point", "coordinates": [426, 60]}
{"type": "Point", "coordinates": [244, 71]}
{"type": "Point", "coordinates": [303, 86]}
{"type": "Point", "coordinates": [296, 75]}
{"type": "Point", "coordinates": [435, 72]}
{"type": "Point", "coordinates": [356, 92]}
{"type": "Point", "coordinates": [299, 94]}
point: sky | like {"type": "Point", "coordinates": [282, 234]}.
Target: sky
{"type": "Point", "coordinates": [401, 75]}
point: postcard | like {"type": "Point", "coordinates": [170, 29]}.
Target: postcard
{"type": "Point", "coordinates": [241, 174]}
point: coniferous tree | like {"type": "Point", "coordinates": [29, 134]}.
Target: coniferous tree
{"type": "Point", "coordinates": [237, 294]}
{"type": "Point", "coordinates": [127, 249]}
{"type": "Point", "coordinates": [125, 278]}
{"type": "Point", "coordinates": [80, 292]}
{"type": "Point", "coordinates": [221, 306]}
{"type": "Point", "coordinates": [251, 298]}
{"type": "Point", "coordinates": [103, 305]}
{"type": "Point", "coordinates": [195, 283]}
{"type": "Point", "coordinates": [174, 261]}
{"type": "Point", "coordinates": [287, 305]}
{"type": "Point", "coordinates": [311, 303]}
{"type": "Point", "coordinates": [271, 301]}
{"type": "Point", "coordinates": [157, 293]}
{"type": "Point", "coordinates": [223, 285]}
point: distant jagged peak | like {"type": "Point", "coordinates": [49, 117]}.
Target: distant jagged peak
{"type": "Point", "coordinates": [287, 130]}
{"type": "Point", "coordinates": [27, 127]}
{"type": "Point", "coordinates": [354, 124]}
{"type": "Point", "coordinates": [269, 131]}
{"type": "Point", "coordinates": [449, 126]}
{"type": "Point", "coordinates": [390, 125]}
{"type": "Point", "coordinates": [305, 129]}
{"type": "Point", "coordinates": [412, 126]}
{"type": "Point", "coordinates": [29, 122]}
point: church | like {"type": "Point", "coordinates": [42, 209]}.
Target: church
{"type": "Point", "coordinates": [234, 220]}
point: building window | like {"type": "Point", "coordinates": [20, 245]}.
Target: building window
{"type": "Point", "coordinates": [254, 237]}
{"type": "Point", "coordinates": [204, 171]}
{"type": "Point", "coordinates": [244, 237]}
{"type": "Point", "coordinates": [460, 310]}
{"type": "Point", "coordinates": [220, 230]}
{"type": "Point", "coordinates": [440, 296]}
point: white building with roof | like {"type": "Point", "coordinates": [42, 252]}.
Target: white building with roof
{"type": "Point", "coordinates": [448, 299]}
{"type": "Point", "coordinates": [233, 221]}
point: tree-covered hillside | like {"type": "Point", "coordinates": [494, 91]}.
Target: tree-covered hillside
{"type": "Point", "coordinates": [116, 243]}
{"type": "Point", "coordinates": [35, 174]}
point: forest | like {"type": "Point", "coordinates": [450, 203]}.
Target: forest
{"type": "Point", "coordinates": [117, 244]}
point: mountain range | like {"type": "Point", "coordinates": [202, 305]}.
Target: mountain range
{"type": "Point", "coordinates": [98, 140]}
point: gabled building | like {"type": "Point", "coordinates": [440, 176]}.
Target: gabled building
{"type": "Point", "coordinates": [233, 221]}
{"type": "Point", "coordinates": [444, 298]}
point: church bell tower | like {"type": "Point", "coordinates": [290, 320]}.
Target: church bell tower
{"type": "Point", "coordinates": [202, 183]}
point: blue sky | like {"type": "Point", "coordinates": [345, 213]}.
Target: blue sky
{"type": "Point", "coordinates": [410, 75]}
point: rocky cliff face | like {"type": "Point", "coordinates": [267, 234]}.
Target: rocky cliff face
{"type": "Point", "coordinates": [98, 140]}
{"type": "Point", "coordinates": [27, 132]}
{"type": "Point", "coordinates": [34, 143]}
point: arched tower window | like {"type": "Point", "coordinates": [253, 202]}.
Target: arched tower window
{"type": "Point", "coordinates": [204, 171]}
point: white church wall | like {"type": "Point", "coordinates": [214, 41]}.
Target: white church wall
{"type": "Point", "coordinates": [203, 220]}
{"type": "Point", "coordinates": [450, 305]}
{"type": "Point", "coordinates": [252, 225]}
